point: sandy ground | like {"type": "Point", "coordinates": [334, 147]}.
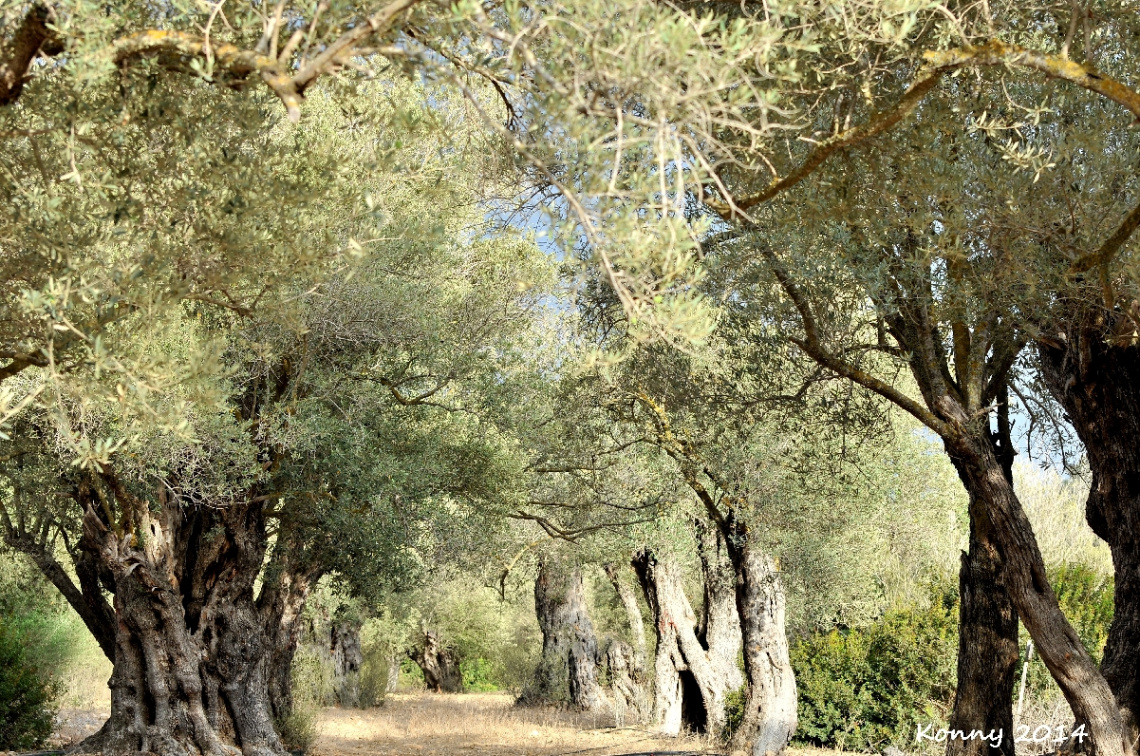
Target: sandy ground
{"type": "Point", "coordinates": [472, 724]}
{"type": "Point", "coordinates": [484, 724]}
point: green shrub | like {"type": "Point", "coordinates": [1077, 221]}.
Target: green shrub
{"type": "Point", "coordinates": [28, 691]}
{"type": "Point", "coordinates": [869, 687]}
{"type": "Point", "coordinates": [298, 729]}
{"type": "Point", "coordinates": [478, 675]}
{"type": "Point", "coordinates": [733, 712]}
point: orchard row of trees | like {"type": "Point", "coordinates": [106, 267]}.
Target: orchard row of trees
{"type": "Point", "coordinates": [297, 290]}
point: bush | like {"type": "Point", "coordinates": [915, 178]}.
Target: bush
{"type": "Point", "coordinates": [28, 691]}
{"type": "Point", "coordinates": [478, 675]}
{"type": "Point", "coordinates": [869, 687]}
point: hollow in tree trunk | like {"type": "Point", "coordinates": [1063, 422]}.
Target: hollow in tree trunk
{"type": "Point", "coordinates": [191, 648]}
{"type": "Point", "coordinates": [567, 672]}
{"type": "Point", "coordinates": [691, 680]}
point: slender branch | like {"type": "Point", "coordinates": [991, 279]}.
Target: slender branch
{"type": "Point", "coordinates": [1111, 246]}
{"type": "Point", "coordinates": [938, 64]}
{"type": "Point", "coordinates": [31, 38]}
{"type": "Point", "coordinates": [813, 348]}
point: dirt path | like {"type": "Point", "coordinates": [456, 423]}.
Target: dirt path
{"type": "Point", "coordinates": [483, 724]}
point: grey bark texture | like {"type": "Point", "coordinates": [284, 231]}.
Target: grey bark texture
{"type": "Point", "coordinates": [769, 718]}
{"type": "Point", "coordinates": [625, 664]}
{"type": "Point", "coordinates": [633, 615]}
{"type": "Point", "coordinates": [567, 672]}
{"type": "Point", "coordinates": [347, 659]}
{"type": "Point", "coordinates": [691, 679]}
{"type": "Point", "coordinates": [988, 650]}
{"type": "Point", "coordinates": [1023, 574]}
{"type": "Point", "coordinates": [192, 647]}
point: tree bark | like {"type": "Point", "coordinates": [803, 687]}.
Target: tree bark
{"type": "Point", "coordinates": [347, 659]}
{"type": "Point", "coordinates": [691, 680]}
{"type": "Point", "coordinates": [987, 652]}
{"type": "Point", "coordinates": [191, 648]}
{"type": "Point", "coordinates": [625, 663]}
{"type": "Point", "coordinates": [282, 600]}
{"type": "Point", "coordinates": [632, 613]}
{"type": "Point", "coordinates": [1096, 378]}
{"type": "Point", "coordinates": [568, 669]}
{"type": "Point", "coordinates": [719, 629]}
{"type": "Point", "coordinates": [439, 665]}
{"type": "Point", "coordinates": [1023, 574]}
{"type": "Point", "coordinates": [987, 628]}
{"type": "Point", "coordinates": [770, 700]}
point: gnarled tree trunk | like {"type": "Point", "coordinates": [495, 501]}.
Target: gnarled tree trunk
{"type": "Point", "coordinates": [987, 627]}
{"type": "Point", "coordinates": [770, 697]}
{"type": "Point", "coordinates": [987, 649]}
{"type": "Point", "coordinates": [1096, 378]}
{"type": "Point", "coordinates": [439, 665]}
{"type": "Point", "coordinates": [347, 659]}
{"type": "Point", "coordinates": [632, 612]}
{"type": "Point", "coordinates": [626, 663]}
{"type": "Point", "coordinates": [719, 628]}
{"type": "Point", "coordinates": [568, 669]}
{"type": "Point", "coordinates": [285, 590]}
{"type": "Point", "coordinates": [691, 679]}
{"type": "Point", "coordinates": [191, 647]}
{"type": "Point", "coordinates": [1023, 574]}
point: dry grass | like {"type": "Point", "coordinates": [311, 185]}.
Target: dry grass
{"type": "Point", "coordinates": [486, 724]}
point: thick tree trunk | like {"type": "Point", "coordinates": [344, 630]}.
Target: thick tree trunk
{"type": "Point", "coordinates": [627, 682]}
{"type": "Point", "coordinates": [347, 659]}
{"type": "Point", "coordinates": [770, 697]}
{"type": "Point", "coordinates": [987, 653]}
{"type": "Point", "coordinates": [691, 682]}
{"type": "Point", "coordinates": [987, 628]}
{"type": "Point", "coordinates": [191, 649]}
{"type": "Point", "coordinates": [439, 665]}
{"type": "Point", "coordinates": [281, 602]}
{"type": "Point", "coordinates": [719, 628]}
{"type": "Point", "coordinates": [1096, 378]}
{"type": "Point", "coordinates": [1023, 574]}
{"type": "Point", "coordinates": [568, 669]}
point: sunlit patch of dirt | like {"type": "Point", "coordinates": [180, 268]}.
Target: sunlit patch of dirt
{"type": "Point", "coordinates": [485, 724]}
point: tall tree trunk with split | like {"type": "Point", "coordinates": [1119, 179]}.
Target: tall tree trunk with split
{"type": "Point", "coordinates": [1014, 547]}
{"type": "Point", "coordinates": [691, 679]}
{"type": "Point", "coordinates": [626, 664]}
{"type": "Point", "coordinates": [632, 611]}
{"type": "Point", "coordinates": [1094, 374]}
{"type": "Point", "coordinates": [568, 669]}
{"type": "Point", "coordinates": [719, 628]}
